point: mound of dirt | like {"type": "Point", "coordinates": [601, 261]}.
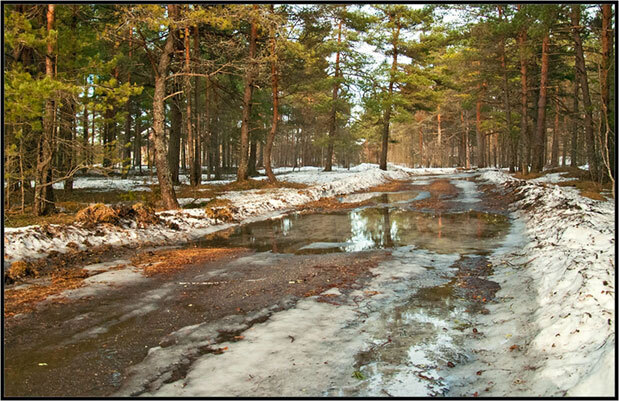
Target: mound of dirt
{"type": "Point", "coordinates": [100, 214]}
{"type": "Point", "coordinates": [220, 214]}
{"type": "Point", "coordinates": [144, 215]}
{"type": "Point", "coordinates": [19, 269]}
{"type": "Point", "coordinates": [97, 214]}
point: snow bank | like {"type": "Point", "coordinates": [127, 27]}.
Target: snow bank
{"type": "Point", "coordinates": [568, 266]}
{"type": "Point", "coordinates": [34, 241]}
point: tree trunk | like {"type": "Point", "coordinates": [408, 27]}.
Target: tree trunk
{"type": "Point", "coordinates": [198, 135]}
{"type": "Point", "coordinates": [575, 125]}
{"type": "Point", "coordinates": [581, 74]}
{"type": "Point", "coordinates": [554, 158]}
{"type": "Point", "coordinates": [126, 146]}
{"type": "Point", "coordinates": [608, 112]}
{"type": "Point", "coordinates": [439, 139]}
{"type": "Point", "coordinates": [251, 162]}
{"type": "Point", "coordinates": [510, 139]}
{"type": "Point", "coordinates": [174, 143]}
{"type": "Point", "coordinates": [249, 82]}
{"type": "Point", "coordinates": [420, 145]}
{"type": "Point", "coordinates": [271, 135]}
{"type": "Point", "coordinates": [193, 159]}
{"type": "Point", "coordinates": [540, 131]}
{"type": "Point", "coordinates": [481, 141]}
{"type": "Point", "coordinates": [138, 144]}
{"type": "Point", "coordinates": [85, 151]}
{"type": "Point", "coordinates": [387, 115]}
{"type": "Point", "coordinates": [44, 191]}
{"type": "Point", "coordinates": [168, 196]}
{"type": "Point", "coordinates": [336, 87]}
{"type": "Point", "coordinates": [524, 132]}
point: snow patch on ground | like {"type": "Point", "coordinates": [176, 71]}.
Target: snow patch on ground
{"type": "Point", "coordinates": [558, 296]}
{"type": "Point", "coordinates": [469, 194]}
{"type": "Point", "coordinates": [552, 178]}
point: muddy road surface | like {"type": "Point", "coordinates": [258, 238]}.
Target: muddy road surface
{"type": "Point", "coordinates": [375, 300]}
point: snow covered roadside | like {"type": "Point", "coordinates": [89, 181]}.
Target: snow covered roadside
{"type": "Point", "coordinates": [553, 331]}
{"type": "Point", "coordinates": [35, 242]}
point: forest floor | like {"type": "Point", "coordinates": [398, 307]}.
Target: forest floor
{"type": "Point", "coordinates": [482, 284]}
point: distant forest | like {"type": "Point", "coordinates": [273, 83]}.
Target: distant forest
{"type": "Point", "coordinates": [230, 89]}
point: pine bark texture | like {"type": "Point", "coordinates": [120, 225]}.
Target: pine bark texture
{"type": "Point", "coordinates": [168, 196]}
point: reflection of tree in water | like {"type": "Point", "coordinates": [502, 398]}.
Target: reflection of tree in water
{"type": "Point", "coordinates": [371, 228]}
{"type": "Point", "coordinates": [443, 232]}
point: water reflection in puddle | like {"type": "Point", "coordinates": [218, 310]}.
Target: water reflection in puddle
{"type": "Point", "coordinates": [369, 228]}
{"type": "Point", "coordinates": [386, 198]}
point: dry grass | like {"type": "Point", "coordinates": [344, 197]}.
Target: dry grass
{"type": "Point", "coordinates": [101, 214]}
{"type": "Point", "coordinates": [28, 219]}
{"type": "Point", "coordinates": [220, 210]}
{"type": "Point", "coordinates": [329, 204]}
{"type": "Point", "coordinates": [19, 270]}
{"type": "Point", "coordinates": [97, 214]}
{"type": "Point", "coordinates": [25, 300]}
{"type": "Point", "coordinates": [391, 186]}
{"type": "Point", "coordinates": [144, 215]}
{"type": "Point", "coordinates": [583, 183]}
{"type": "Point", "coordinates": [442, 187]}
{"type": "Point", "coordinates": [529, 176]}
{"type": "Point", "coordinates": [212, 191]}
{"type": "Point", "coordinates": [167, 261]}
{"type": "Point", "coordinates": [587, 188]}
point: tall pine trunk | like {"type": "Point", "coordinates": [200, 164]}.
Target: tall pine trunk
{"type": "Point", "coordinates": [481, 140]}
{"type": "Point", "coordinates": [174, 143]}
{"type": "Point", "coordinates": [537, 163]}
{"type": "Point", "coordinates": [271, 135]}
{"type": "Point", "coordinates": [608, 116]}
{"type": "Point", "coordinates": [247, 93]}
{"type": "Point", "coordinates": [524, 131]}
{"type": "Point", "coordinates": [512, 142]}
{"type": "Point", "coordinates": [44, 191]}
{"type": "Point", "coordinates": [389, 106]}
{"type": "Point", "coordinates": [581, 74]}
{"type": "Point", "coordinates": [168, 196]}
{"type": "Point", "coordinates": [554, 158]}
{"type": "Point", "coordinates": [126, 144]}
{"type": "Point", "coordinates": [336, 87]}
{"type": "Point", "coordinates": [198, 136]}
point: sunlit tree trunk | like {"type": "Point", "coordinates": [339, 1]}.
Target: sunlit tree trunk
{"type": "Point", "coordinates": [168, 196]}
{"type": "Point", "coordinates": [554, 158]}
{"type": "Point", "coordinates": [274, 82]}
{"type": "Point", "coordinates": [247, 93]}
{"type": "Point", "coordinates": [575, 124]}
{"type": "Point", "coordinates": [481, 141]}
{"type": "Point", "coordinates": [537, 163]}
{"type": "Point", "coordinates": [524, 132]}
{"type": "Point", "coordinates": [174, 142]}
{"type": "Point", "coordinates": [198, 134]}
{"type": "Point", "coordinates": [608, 118]}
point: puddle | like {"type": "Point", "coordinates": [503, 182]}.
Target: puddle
{"type": "Point", "coordinates": [386, 198]}
{"type": "Point", "coordinates": [369, 228]}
